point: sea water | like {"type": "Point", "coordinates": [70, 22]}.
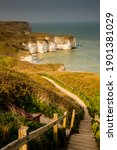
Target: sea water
{"type": "Point", "coordinates": [86, 57]}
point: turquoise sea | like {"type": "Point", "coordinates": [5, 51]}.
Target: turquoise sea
{"type": "Point", "coordinates": [86, 57]}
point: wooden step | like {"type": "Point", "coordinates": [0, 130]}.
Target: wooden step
{"type": "Point", "coordinates": [82, 147]}
{"type": "Point", "coordinates": [82, 139]}
{"type": "Point", "coordinates": [85, 131]}
{"type": "Point", "coordinates": [88, 142]}
{"type": "Point", "coordinates": [84, 135]}
{"type": "Point", "coordinates": [86, 128]}
{"type": "Point", "coordinates": [86, 120]}
{"type": "Point", "coordinates": [85, 124]}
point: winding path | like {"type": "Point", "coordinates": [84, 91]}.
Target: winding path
{"type": "Point", "coordinates": [73, 96]}
{"type": "Point", "coordinates": [84, 140]}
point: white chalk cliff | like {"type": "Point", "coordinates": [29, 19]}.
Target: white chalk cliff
{"type": "Point", "coordinates": [50, 44]}
{"type": "Point", "coordinates": [23, 38]}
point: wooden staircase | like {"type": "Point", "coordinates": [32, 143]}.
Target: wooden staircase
{"type": "Point", "coordinates": [84, 140]}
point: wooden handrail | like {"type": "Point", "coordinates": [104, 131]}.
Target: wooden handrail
{"type": "Point", "coordinates": [32, 135]}
{"type": "Point", "coordinates": [24, 139]}
{"type": "Point", "coordinates": [42, 130]}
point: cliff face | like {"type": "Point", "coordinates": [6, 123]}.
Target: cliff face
{"type": "Point", "coordinates": [19, 35]}
{"type": "Point", "coordinates": [51, 44]}
{"type": "Point", "coordinates": [40, 46]}
{"type": "Point", "coordinates": [65, 42]}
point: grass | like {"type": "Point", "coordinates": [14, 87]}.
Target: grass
{"type": "Point", "coordinates": [46, 93]}
{"type": "Point", "coordinates": [21, 90]}
{"type": "Point", "coordinates": [85, 85]}
{"type": "Point", "coordinates": [21, 84]}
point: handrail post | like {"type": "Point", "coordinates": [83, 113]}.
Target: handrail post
{"type": "Point", "coordinates": [72, 119]}
{"type": "Point", "coordinates": [96, 118]}
{"type": "Point", "coordinates": [64, 121]}
{"type": "Point", "coordinates": [22, 132]}
{"type": "Point", "coordinates": [55, 130]}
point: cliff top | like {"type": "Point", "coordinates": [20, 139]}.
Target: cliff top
{"type": "Point", "coordinates": [13, 33]}
{"type": "Point", "coordinates": [20, 28]}
{"type": "Point", "coordinates": [14, 26]}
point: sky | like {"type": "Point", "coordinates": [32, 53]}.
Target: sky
{"type": "Point", "coordinates": [50, 10]}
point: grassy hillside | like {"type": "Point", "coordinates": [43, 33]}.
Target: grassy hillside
{"type": "Point", "coordinates": [33, 96]}
{"type": "Point", "coordinates": [22, 85]}
{"type": "Point", "coordinates": [14, 26]}
{"type": "Point", "coordinates": [85, 85]}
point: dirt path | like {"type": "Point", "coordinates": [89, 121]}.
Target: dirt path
{"type": "Point", "coordinates": [73, 96]}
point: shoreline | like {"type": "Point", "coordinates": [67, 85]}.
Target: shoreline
{"type": "Point", "coordinates": [31, 59]}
